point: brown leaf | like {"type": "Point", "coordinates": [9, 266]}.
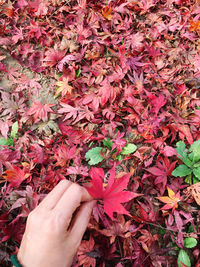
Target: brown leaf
{"type": "Point", "coordinates": [194, 190]}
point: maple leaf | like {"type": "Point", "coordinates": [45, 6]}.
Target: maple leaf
{"type": "Point", "coordinates": [194, 25]}
{"type": "Point", "coordinates": [63, 87]}
{"type": "Point", "coordinates": [27, 198]}
{"type": "Point", "coordinates": [12, 104]}
{"type": "Point", "coordinates": [35, 30]}
{"type": "Point", "coordinates": [39, 111]}
{"type": "Point", "coordinates": [22, 4]}
{"type": "Point", "coordinates": [184, 131]}
{"type": "Point", "coordinates": [8, 9]}
{"type": "Point", "coordinates": [37, 154]}
{"type": "Point", "coordinates": [119, 142]}
{"type": "Point", "coordinates": [86, 253]}
{"type": "Point", "coordinates": [113, 195]}
{"type": "Point", "coordinates": [76, 113]}
{"type": "Point", "coordinates": [4, 128]}
{"type": "Point", "coordinates": [63, 154]}
{"type": "Point", "coordinates": [67, 59]}
{"type": "Point", "coordinates": [107, 92]}
{"type": "Point", "coordinates": [134, 62]}
{"type": "Point", "coordinates": [118, 228]}
{"type": "Point", "coordinates": [136, 41]}
{"type": "Point", "coordinates": [42, 8]}
{"type": "Point", "coordinates": [53, 57]}
{"type": "Point", "coordinates": [16, 175]}
{"type": "Point", "coordinates": [77, 170]}
{"type": "Point", "coordinates": [106, 12]}
{"type": "Point", "coordinates": [18, 35]}
{"type": "Point", "coordinates": [163, 169]}
{"type": "Point", "coordinates": [147, 239]}
{"type": "Point", "coordinates": [171, 201]}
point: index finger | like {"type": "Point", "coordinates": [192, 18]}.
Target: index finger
{"type": "Point", "coordinates": [49, 202]}
{"type": "Point", "coordinates": [70, 201]}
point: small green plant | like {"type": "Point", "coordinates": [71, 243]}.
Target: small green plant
{"type": "Point", "coordinates": [98, 154]}
{"type": "Point", "coordinates": [78, 73]}
{"type": "Point", "coordinates": [191, 160]}
{"type": "Point", "coordinates": [13, 135]}
{"type": "Point", "coordinates": [183, 257]}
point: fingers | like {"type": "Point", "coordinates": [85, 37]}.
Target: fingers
{"type": "Point", "coordinates": [50, 201]}
{"type": "Point", "coordinates": [70, 201]}
{"type": "Point", "coordinates": [81, 220]}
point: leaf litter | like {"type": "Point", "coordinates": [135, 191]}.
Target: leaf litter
{"type": "Point", "coordinates": [76, 74]}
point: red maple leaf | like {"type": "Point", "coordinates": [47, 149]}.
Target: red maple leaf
{"type": "Point", "coordinates": [76, 113]}
{"type": "Point", "coordinates": [53, 57]}
{"type": "Point", "coordinates": [16, 176]}
{"type": "Point", "coordinates": [119, 142]}
{"type": "Point", "coordinates": [86, 253]}
{"type": "Point", "coordinates": [113, 195]}
{"type": "Point", "coordinates": [107, 92]}
{"type": "Point", "coordinates": [39, 111]}
{"type": "Point", "coordinates": [63, 154]}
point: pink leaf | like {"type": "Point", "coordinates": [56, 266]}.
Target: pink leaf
{"type": "Point", "coordinates": [169, 151]}
{"type": "Point", "coordinates": [39, 111]}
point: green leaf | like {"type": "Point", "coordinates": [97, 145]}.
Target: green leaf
{"type": "Point", "coordinates": [108, 143]}
{"type": "Point", "coordinates": [191, 229]}
{"type": "Point", "coordinates": [91, 144]}
{"type": "Point", "coordinates": [184, 258]}
{"type": "Point", "coordinates": [180, 149]}
{"type": "Point", "coordinates": [181, 170]}
{"type": "Point", "coordinates": [128, 149]}
{"type": "Point", "coordinates": [195, 180]}
{"type": "Point", "coordinates": [188, 179]}
{"type": "Point", "coordinates": [78, 73]}
{"type": "Point", "coordinates": [196, 165]}
{"type": "Point", "coordinates": [94, 155]}
{"type": "Point", "coordinates": [182, 153]}
{"type": "Point", "coordinates": [6, 142]}
{"type": "Point", "coordinates": [198, 108]}
{"type": "Point", "coordinates": [196, 172]}
{"type": "Point", "coordinates": [190, 242]}
{"type": "Point", "coordinates": [191, 156]}
{"type": "Point", "coordinates": [119, 157]}
{"type": "Point", "coordinates": [14, 130]}
{"type": "Point", "coordinates": [195, 148]}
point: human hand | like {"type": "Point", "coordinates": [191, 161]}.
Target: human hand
{"type": "Point", "coordinates": [53, 232]}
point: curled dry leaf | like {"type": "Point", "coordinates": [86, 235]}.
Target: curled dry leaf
{"type": "Point", "coordinates": [194, 190]}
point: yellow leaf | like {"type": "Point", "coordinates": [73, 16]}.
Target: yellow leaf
{"type": "Point", "coordinates": [171, 193]}
{"type": "Point", "coordinates": [171, 201]}
{"type": "Point", "coordinates": [63, 87]}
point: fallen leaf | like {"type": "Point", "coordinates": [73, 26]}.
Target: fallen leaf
{"type": "Point", "coordinates": [171, 201]}
{"type": "Point", "coordinates": [16, 176]}
{"type": "Point", "coordinates": [63, 87]}
{"type": "Point", "coordinates": [39, 111]}
{"type": "Point", "coordinates": [194, 190]}
{"type": "Point", "coordinates": [113, 195]}
{"type": "Point", "coordinates": [106, 12]}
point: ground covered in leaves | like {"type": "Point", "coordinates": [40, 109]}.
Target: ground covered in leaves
{"type": "Point", "coordinates": [105, 94]}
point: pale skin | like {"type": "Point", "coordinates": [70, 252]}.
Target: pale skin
{"type": "Point", "coordinates": [53, 231]}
